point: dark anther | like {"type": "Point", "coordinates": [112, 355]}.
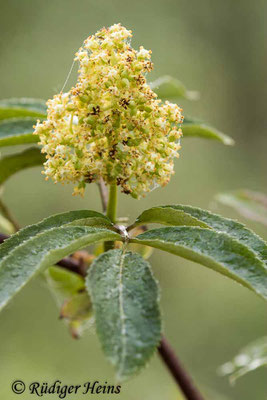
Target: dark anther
{"type": "Point", "coordinates": [96, 110]}
{"type": "Point", "coordinates": [124, 103]}
{"type": "Point", "coordinates": [89, 177]}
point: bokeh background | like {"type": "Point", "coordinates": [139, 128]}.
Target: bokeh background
{"type": "Point", "coordinates": [217, 47]}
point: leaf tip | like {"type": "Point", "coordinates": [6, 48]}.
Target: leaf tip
{"type": "Point", "coordinates": [228, 141]}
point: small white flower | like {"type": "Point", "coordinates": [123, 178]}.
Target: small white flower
{"type": "Point", "coordinates": [150, 166]}
{"type": "Point", "coordinates": [60, 149]}
{"type": "Point", "coordinates": [75, 120]}
{"type": "Point", "coordinates": [143, 53]}
{"type": "Point", "coordinates": [59, 108]}
{"type": "Point", "coordinates": [112, 73]}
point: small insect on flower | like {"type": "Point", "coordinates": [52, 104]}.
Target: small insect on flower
{"type": "Point", "coordinates": [111, 125]}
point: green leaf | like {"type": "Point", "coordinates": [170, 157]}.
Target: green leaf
{"type": "Point", "coordinates": [6, 226]}
{"type": "Point", "coordinates": [201, 130]}
{"type": "Point", "coordinates": [63, 281]}
{"type": "Point", "coordinates": [168, 87]}
{"type": "Point", "coordinates": [30, 234]}
{"type": "Point", "coordinates": [125, 300]}
{"type": "Point", "coordinates": [250, 358]}
{"type": "Point", "coordinates": [13, 163]}
{"type": "Point", "coordinates": [68, 290]}
{"type": "Point", "coordinates": [252, 205]}
{"type": "Point", "coordinates": [167, 215]}
{"type": "Point", "coordinates": [23, 107]}
{"type": "Point", "coordinates": [215, 250]}
{"type": "Point", "coordinates": [21, 264]}
{"type": "Point", "coordinates": [77, 308]}
{"type": "Point", "coordinates": [79, 217]}
{"type": "Point", "coordinates": [144, 251]}
{"type": "Point", "coordinates": [15, 131]}
{"type": "Point", "coordinates": [194, 216]}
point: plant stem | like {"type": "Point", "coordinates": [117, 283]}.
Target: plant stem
{"type": "Point", "coordinates": [178, 372]}
{"type": "Point", "coordinates": [167, 354]}
{"type": "Point", "coordinates": [103, 194]}
{"type": "Point", "coordinates": [112, 203]}
{"type": "Point", "coordinates": [111, 212]}
{"type": "Point", "coordinates": [7, 214]}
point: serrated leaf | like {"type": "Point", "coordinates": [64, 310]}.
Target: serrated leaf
{"type": "Point", "coordinates": [125, 300]}
{"type": "Point", "coordinates": [22, 107]}
{"type": "Point", "coordinates": [78, 217]}
{"type": "Point", "coordinates": [252, 205]}
{"type": "Point", "coordinates": [250, 358]}
{"type": "Point", "coordinates": [215, 250]}
{"type": "Point", "coordinates": [168, 87]}
{"type": "Point", "coordinates": [192, 128]}
{"type": "Point", "coordinates": [41, 251]}
{"type": "Point", "coordinates": [176, 215]}
{"type": "Point", "coordinates": [13, 163]}
{"type": "Point", "coordinates": [16, 131]}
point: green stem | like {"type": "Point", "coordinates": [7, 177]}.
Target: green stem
{"type": "Point", "coordinates": [111, 211]}
{"type": "Point", "coordinates": [112, 203]}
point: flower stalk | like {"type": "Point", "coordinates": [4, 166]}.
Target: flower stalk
{"type": "Point", "coordinates": [112, 203]}
{"type": "Point", "coordinates": [111, 211]}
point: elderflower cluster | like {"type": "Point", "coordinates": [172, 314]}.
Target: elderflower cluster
{"type": "Point", "coordinates": [111, 124]}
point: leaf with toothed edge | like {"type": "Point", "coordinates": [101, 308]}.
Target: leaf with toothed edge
{"type": "Point", "coordinates": [44, 249]}
{"type": "Point", "coordinates": [78, 217]}
{"type": "Point", "coordinates": [215, 250]}
{"type": "Point", "coordinates": [63, 222]}
{"type": "Point", "coordinates": [177, 215]}
{"type": "Point", "coordinates": [125, 299]}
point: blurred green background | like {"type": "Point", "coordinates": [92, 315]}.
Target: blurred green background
{"type": "Point", "coordinates": [214, 46]}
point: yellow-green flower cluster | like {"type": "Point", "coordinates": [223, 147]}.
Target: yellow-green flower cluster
{"type": "Point", "coordinates": [111, 124]}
